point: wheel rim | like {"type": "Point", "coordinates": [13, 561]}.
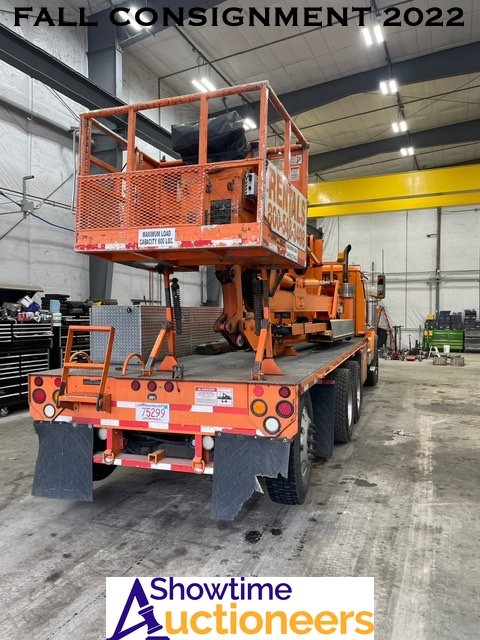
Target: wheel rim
{"type": "Point", "coordinates": [305, 423]}
{"type": "Point", "coordinates": [350, 408]}
{"type": "Point", "coordinates": [359, 393]}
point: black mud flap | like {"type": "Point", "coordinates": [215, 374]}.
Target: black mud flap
{"type": "Point", "coordinates": [238, 462]}
{"type": "Point", "coordinates": [64, 462]}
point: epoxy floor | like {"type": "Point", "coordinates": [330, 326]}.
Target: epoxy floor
{"type": "Point", "coordinates": [402, 508]}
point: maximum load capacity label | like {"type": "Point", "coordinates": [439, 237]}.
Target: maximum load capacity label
{"type": "Point", "coordinates": [156, 238]}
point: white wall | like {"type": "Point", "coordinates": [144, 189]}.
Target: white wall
{"type": "Point", "coordinates": [36, 252]}
{"type": "Point", "coordinates": [408, 241]}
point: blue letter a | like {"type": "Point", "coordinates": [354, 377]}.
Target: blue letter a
{"type": "Point", "coordinates": [145, 610]}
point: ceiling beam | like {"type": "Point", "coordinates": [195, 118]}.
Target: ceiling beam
{"type": "Point", "coordinates": [432, 188]}
{"type": "Point", "coordinates": [441, 64]}
{"type": "Point", "coordinates": [468, 131]}
{"type": "Point", "coordinates": [38, 64]}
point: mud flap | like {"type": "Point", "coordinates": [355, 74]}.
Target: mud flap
{"type": "Point", "coordinates": [238, 462]}
{"type": "Point", "coordinates": [64, 462]}
{"type": "Point", "coordinates": [323, 418]}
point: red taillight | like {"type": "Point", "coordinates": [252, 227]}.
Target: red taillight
{"type": "Point", "coordinates": [39, 396]}
{"type": "Point", "coordinates": [38, 381]}
{"type": "Point", "coordinates": [284, 392]}
{"type": "Point", "coordinates": [258, 391]}
{"type": "Point", "coordinates": [57, 382]}
{"type": "Point", "coordinates": [152, 386]}
{"type": "Point", "coordinates": [135, 385]}
{"type": "Point", "coordinates": [169, 386]}
{"type": "Point", "coordinates": [284, 409]}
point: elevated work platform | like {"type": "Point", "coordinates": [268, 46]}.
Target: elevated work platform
{"type": "Point", "coordinates": [196, 211]}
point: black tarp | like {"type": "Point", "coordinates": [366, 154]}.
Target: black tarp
{"type": "Point", "coordinates": [226, 139]}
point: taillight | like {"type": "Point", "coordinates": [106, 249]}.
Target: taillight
{"type": "Point", "coordinates": [135, 385]}
{"type": "Point", "coordinates": [39, 396]}
{"type": "Point", "coordinates": [271, 425]}
{"type": "Point", "coordinates": [258, 391]}
{"type": "Point", "coordinates": [49, 411]}
{"type": "Point", "coordinates": [284, 392]}
{"type": "Point", "coordinates": [57, 382]}
{"type": "Point", "coordinates": [258, 408]}
{"type": "Point", "coordinates": [38, 381]}
{"type": "Point", "coordinates": [152, 386]}
{"type": "Point", "coordinates": [284, 409]}
{"type": "Point", "coordinates": [169, 386]}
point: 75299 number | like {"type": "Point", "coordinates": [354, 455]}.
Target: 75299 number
{"type": "Point", "coordinates": [433, 17]}
{"type": "Point", "coordinates": [149, 412]}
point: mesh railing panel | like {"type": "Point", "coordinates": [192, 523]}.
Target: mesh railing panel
{"type": "Point", "coordinates": [158, 198]}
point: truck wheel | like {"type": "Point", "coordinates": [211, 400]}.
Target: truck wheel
{"type": "Point", "coordinates": [372, 374]}
{"type": "Point", "coordinates": [293, 490]}
{"type": "Point", "coordinates": [344, 407]}
{"type": "Point", "coordinates": [102, 471]}
{"type": "Point", "coordinates": [354, 368]}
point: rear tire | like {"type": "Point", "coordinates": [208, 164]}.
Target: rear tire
{"type": "Point", "coordinates": [354, 368]}
{"type": "Point", "coordinates": [344, 406]}
{"type": "Point", "coordinates": [293, 490]}
{"type": "Point", "coordinates": [100, 471]}
{"type": "Point", "coordinates": [372, 375]}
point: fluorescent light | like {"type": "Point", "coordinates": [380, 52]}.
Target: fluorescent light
{"type": "Point", "coordinates": [136, 25]}
{"type": "Point", "coordinates": [377, 30]}
{"type": "Point", "coordinates": [367, 36]}
{"type": "Point", "coordinates": [389, 86]}
{"type": "Point", "coordinates": [198, 85]}
{"type": "Point", "coordinates": [399, 126]}
{"type": "Point", "coordinates": [208, 84]}
{"type": "Point", "coordinates": [248, 123]}
{"type": "Point", "coordinates": [403, 151]}
{"type": "Point", "coordinates": [407, 151]}
{"type": "Point", "coordinates": [410, 151]}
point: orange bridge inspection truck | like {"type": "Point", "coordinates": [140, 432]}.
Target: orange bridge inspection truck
{"type": "Point", "coordinates": [300, 347]}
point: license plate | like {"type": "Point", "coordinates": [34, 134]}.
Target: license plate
{"type": "Point", "coordinates": [149, 412]}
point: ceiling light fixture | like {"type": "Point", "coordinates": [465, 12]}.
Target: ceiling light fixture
{"type": "Point", "coordinates": [198, 85]}
{"type": "Point", "coordinates": [399, 126]}
{"type": "Point", "coordinates": [208, 84]}
{"type": "Point", "coordinates": [203, 85]}
{"type": "Point", "coordinates": [373, 34]}
{"type": "Point", "coordinates": [389, 86]}
{"type": "Point", "coordinates": [407, 151]}
{"type": "Point", "coordinates": [248, 124]}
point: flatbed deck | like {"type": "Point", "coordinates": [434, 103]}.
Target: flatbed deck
{"type": "Point", "coordinates": [236, 367]}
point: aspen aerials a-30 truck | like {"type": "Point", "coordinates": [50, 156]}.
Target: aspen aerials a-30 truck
{"type": "Point", "coordinates": [300, 347]}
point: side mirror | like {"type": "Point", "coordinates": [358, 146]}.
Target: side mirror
{"type": "Point", "coordinates": [381, 286]}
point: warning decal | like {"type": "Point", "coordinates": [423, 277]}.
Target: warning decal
{"type": "Point", "coordinates": [214, 396]}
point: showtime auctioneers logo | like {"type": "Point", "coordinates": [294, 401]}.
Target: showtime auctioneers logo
{"type": "Point", "coordinates": [168, 608]}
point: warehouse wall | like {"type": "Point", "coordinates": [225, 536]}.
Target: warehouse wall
{"type": "Point", "coordinates": [35, 251]}
{"type": "Point", "coordinates": [408, 240]}
{"type": "Point", "coordinates": [35, 139]}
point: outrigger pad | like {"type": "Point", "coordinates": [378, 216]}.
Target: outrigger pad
{"type": "Point", "coordinates": [238, 462]}
{"type": "Point", "coordinates": [64, 462]}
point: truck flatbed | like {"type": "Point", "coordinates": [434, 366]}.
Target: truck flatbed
{"type": "Point", "coordinates": [311, 364]}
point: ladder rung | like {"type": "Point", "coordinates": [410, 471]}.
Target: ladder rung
{"type": "Point", "coordinates": [83, 365]}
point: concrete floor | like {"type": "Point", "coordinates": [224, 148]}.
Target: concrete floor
{"type": "Point", "coordinates": [401, 508]}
